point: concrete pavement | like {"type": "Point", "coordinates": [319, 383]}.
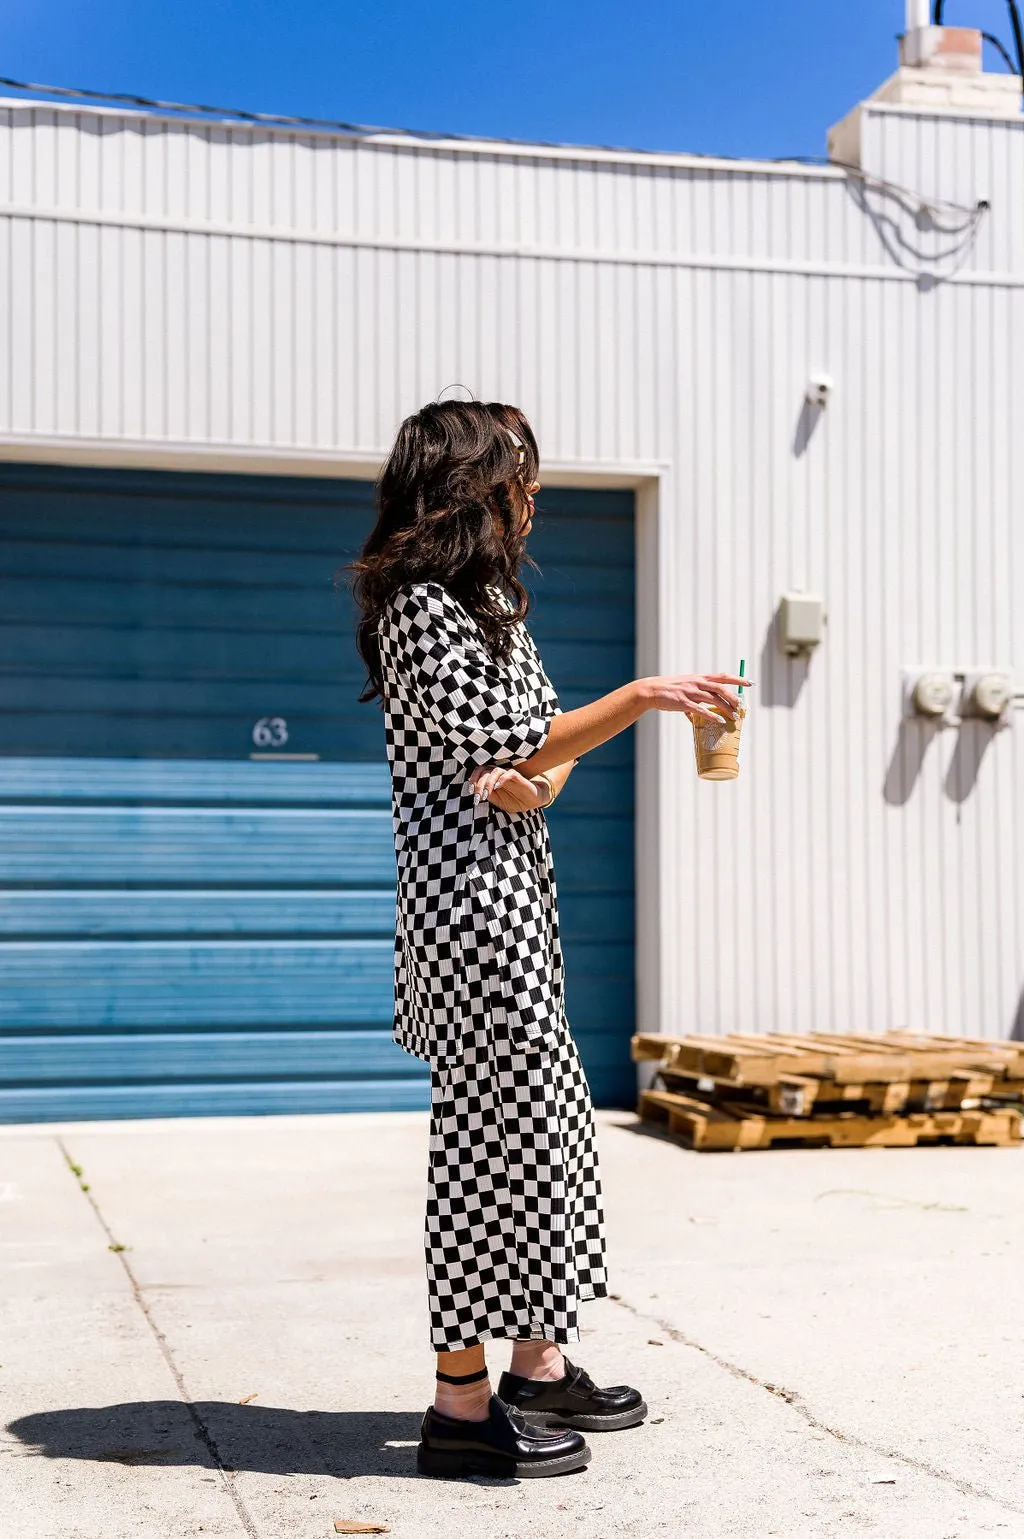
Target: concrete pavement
{"type": "Point", "coordinates": [830, 1342]}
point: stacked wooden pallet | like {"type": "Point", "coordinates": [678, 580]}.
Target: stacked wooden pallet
{"type": "Point", "coordinates": [890, 1091]}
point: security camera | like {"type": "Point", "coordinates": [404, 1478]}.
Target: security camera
{"type": "Point", "coordinates": [819, 389]}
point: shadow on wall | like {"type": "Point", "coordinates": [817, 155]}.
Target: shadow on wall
{"type": "Point", "coordinates": [780, 678]}
{"type": "Point", "coordinates": [973, 741]}
{"type": "Point", "coordinates": [810, 415]}
{"type": "Point", "coordinates": [916, 734]}
{"type": "Point", "coordinates": [1017, 1030]}
{"type": "Point", "coordinates": [927, 242]}
{"type": "Point", "coordinates": [913, 741]}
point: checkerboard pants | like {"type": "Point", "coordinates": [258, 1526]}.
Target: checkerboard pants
{"type": "Point", "coordinates": [514, 1230]}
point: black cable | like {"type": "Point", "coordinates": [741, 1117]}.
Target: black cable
{"type": "Point", "coordinates": [81, 94]}
{"type": "Point", "coordinates": [997, 44]}
{"type": "Point", "coordinates": [1018, 36]}
{"type": "Point", "coordinates": [972, 213]}
{"type": "Point", "coordinates": [1015, 23]}
{"type": "Point", "coordinates": [932, 205]}
{"type": "Point", "coordinates": [334, 125]}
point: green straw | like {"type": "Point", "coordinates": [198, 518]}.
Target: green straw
{"type": "Point", "coordinates": [743, 672]}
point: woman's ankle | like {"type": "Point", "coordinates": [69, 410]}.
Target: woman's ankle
{"type": "Point", "coordinates": [540, 1360]}
{"type": "Point", "coordinates": [470, 1399]}
{"type": "Point", "coordinates": [466, 1402]}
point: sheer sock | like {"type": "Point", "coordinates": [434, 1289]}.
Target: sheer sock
{"type": "Point", "coordinates": [540, 1360]}
{"type": "Point", "coordinates": [466, 1402]}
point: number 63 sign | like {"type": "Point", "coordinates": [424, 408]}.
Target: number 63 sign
{"type": "Point", "coordinates": [270, 732]}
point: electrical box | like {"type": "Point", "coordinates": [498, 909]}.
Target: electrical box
{"type": "Point", "coordinates": [930, 693]}
{"type": "Point", "coordinates": [950, 696]}
{"type": "Point", "coordinates": [988, 694]}
{"type": "Point", "coordinates": [801, 623]}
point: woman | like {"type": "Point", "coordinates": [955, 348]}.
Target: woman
{"type": "Point", "coordinates": [478, 748]}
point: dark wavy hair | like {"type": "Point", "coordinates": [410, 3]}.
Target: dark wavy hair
{"type": "Point", "coordinates": [451, 502]}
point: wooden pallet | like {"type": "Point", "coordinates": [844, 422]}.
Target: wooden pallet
{"type": "Point", "coordinates": [702, 1126]}
{"type": "Point", "coordinates": [771, 1060]}
{"type": "Point", "coordinates": [1007, 1057]}
{"type": "Point", "coordinates": [1008, 1090]}
{"type": "Point", "coordinates": [802, 1096]}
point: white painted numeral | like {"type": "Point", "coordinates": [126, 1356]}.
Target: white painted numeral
{"type": "Point", "coordinates": [270, 732]}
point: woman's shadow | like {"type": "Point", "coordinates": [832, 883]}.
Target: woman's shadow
{"type": "Point", "coordinates": [207, 1433]}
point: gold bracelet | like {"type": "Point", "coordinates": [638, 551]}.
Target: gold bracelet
{"type": "Point", "coordinates": [552, 793]}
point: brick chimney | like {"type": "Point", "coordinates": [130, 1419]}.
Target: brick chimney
{"type": "Point", "coordinates": [940, 69]}
{"type": "Point", "coordinates": [953, 50]}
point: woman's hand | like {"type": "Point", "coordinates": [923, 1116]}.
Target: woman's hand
{"type": "Point", "coordinates": [506, 789]}
{"type": "Point", "coordinates": [693, 693]}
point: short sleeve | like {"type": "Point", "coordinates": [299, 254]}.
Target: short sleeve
{"type": "Point", "coordinates": [466, 696]}
{"type": "Point", "coordinates": [548, 697]}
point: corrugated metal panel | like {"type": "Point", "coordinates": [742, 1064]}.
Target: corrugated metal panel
{"type": "Point", "coordinates": [255, 290]}
{"type": "Point", "coordinates": [200, 934]}
{"type": "Point", "coordinates": [182, 933]}
{"type": "Point", "coordinates": [583, 622]}
{"type": "Point", "coordinates": [155, 616]}
{"type": "Point", "coordinates": [190, 284]}
{"type": "Point", "coordinates": [845, 886]}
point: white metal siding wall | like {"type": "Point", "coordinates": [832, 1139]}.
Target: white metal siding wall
{"type": "Point", "coordinates": [174, 285]}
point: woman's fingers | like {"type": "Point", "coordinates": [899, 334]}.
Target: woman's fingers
{"type": "Point", "coordinates": [711, 688]}
{"type": "Point", "coordinates": [730, 678]}
{"type": "Point", "coordinates": [701, 696]}
{"type": "Point", "coordinates": [712, 698]}
{"type": "Point", "coordinates": [505, 788]}
{"type": "Point", "coordinates": [489, 778]}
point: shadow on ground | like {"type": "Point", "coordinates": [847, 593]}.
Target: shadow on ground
{"type": "Point", "coordinates": [633, 1124]}
{"type": "Point", "coordinates": [263, 1439]}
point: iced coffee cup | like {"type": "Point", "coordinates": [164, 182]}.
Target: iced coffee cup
{"type": "Point", "coordinates": [716, 745]}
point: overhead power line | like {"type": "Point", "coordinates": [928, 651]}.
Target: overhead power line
{"type": "Point", "coordinates": [1018, 34]}
{"type": "Point", "coordinates": [281, 120]}
{"type": "Point", "coordinates": [337, 125]}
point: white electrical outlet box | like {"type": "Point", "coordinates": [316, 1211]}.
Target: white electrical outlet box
{"type": "Point", "coordinates": [801, 622]}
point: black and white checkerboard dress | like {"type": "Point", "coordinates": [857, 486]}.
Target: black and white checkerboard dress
{"type": "Point", "coordinates": [514, 1232]}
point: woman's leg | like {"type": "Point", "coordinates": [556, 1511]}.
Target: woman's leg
{"type": "Point", "coordinates": [467, 1432]}
{"type": "Point", "coordinates": [537, 1360]}
{"type": "Point", "coordinates": [469, 1402]}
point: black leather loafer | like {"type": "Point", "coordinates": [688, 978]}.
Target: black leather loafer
{"type": "Point", "coordinates": [573, 1401]}
{"type": "Point", "coordinates": [504, 1446]}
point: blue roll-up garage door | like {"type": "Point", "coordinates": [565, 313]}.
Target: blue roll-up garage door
{"type": "Point", "coordinates": [196, 870]}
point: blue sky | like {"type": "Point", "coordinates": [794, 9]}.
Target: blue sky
{"type": "Point", "coordinates": [714, 78]}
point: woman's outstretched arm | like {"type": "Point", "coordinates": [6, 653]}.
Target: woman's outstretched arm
{"type": "Point", "coordinates": [574, 733]}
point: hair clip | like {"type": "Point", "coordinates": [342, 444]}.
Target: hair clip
{"type": "Point", "coordinates": [518, 443]}
{"type": "Point", "coordinates": [443, 396]}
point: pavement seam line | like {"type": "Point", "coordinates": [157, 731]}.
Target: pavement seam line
{"type": "Point", "coordinates": [796, 1403]}
{"type": "Point", "coordinates": [202, 1430]}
